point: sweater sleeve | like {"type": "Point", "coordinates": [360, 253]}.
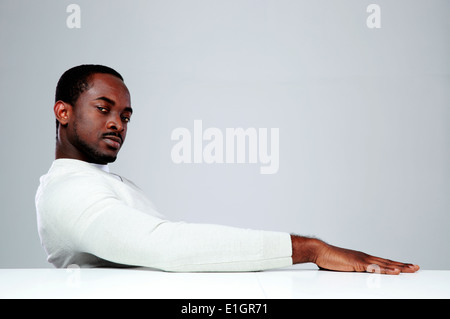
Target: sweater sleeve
{"type": "Point", "coordinates": [88, 217]}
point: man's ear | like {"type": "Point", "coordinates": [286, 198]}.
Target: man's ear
{"type": "Point", "coordinates": [62, 111]}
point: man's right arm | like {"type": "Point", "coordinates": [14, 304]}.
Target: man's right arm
{"type": "Point", "coordinates": [83, 214]}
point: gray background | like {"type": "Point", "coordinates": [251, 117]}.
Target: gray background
{"type": "Point", "coordinates": [363, 114]}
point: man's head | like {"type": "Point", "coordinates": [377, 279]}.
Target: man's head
{"type": "Point", "coordinates": [92, 110]}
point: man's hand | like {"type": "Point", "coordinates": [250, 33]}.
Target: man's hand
{"type": "Point", "coordinates": [329, 257]}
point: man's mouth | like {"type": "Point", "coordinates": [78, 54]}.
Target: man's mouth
{"type": "Point", "coordinates": [113, 140]}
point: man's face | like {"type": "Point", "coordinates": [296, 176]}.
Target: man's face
{"type": "Point", "coordinates": [100, 116]}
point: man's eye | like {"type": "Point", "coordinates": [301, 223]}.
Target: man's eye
{"type": "Point", "coordinates": [126, 119]}
{"type": "Point", "coordinates": [102, 109]}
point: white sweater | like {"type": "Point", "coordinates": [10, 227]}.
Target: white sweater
{"type": "Point", "coordinates": [89, 217]}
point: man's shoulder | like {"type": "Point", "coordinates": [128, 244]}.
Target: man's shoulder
{"type": "Point", "coordinates": [71, 165]}
{"type": "Point", "coordinates": [65, 175]}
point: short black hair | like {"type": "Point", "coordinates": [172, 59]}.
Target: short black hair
{"type": "Point", "coordinates": [75, 81]}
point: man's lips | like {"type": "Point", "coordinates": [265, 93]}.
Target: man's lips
{"type": "Point", "coordinates": [114, 141]}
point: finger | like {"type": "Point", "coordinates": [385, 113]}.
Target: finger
{"type": "Point", "coordinates": [410, 268]}
{"type": "Point", "coordinates": [383, 269]}
{"type": "Point", "coordinates": [392, 271]}
{"type": "Point", "coordinates": [404, 267]}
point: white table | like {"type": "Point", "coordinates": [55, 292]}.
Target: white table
{"type": "Point", "coordinates": [290, 283]}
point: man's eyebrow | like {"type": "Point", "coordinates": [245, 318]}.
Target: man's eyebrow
{"type": "Point", "coordinates": [103, 98]}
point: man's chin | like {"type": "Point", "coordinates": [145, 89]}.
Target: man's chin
{"type": "Point", "coordinates": [102, 158]}
{"type": "Point", "coordinates": [108, 159]}
{"type": "Point", "coordinates": [98, 153]}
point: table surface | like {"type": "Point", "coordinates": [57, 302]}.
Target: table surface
{"type": "Point", "coordinates": [289, 283]}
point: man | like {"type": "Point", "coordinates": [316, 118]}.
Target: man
{"type": "Point", "coordinates": [90, 217]}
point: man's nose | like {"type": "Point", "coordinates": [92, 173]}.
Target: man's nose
{"type": "Point", "coordinates": [115, 123]}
